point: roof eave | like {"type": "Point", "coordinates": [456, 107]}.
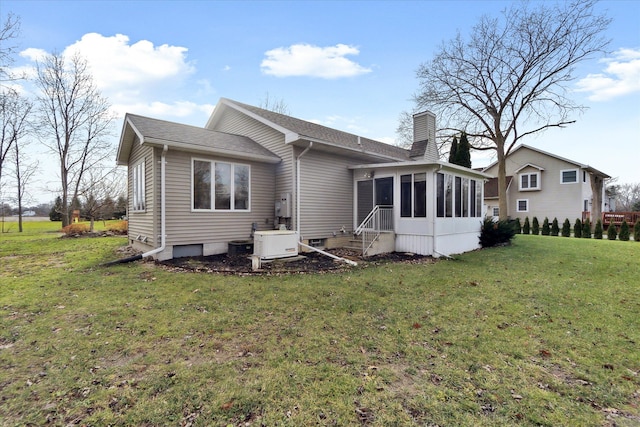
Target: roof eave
{"type": "Point", "coordinates": [191, 148]}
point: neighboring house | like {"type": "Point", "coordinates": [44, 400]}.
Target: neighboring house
{"type": "Point", "coordinates": [251, 169]}
{"type": "Point", "coordinates": [541, 184]}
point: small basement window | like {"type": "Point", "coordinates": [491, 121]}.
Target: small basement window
{"type": "Point", "coordinates": [316, 243]}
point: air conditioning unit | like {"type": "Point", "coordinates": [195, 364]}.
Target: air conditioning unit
{"type": "Point", "coordinates": [272, 244]}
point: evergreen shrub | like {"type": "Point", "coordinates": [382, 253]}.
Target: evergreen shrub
{"type": "Point", "coordinates": [577, 228]}
{"type": "Point", "coordinates": [526, 228]}
{"type": "Point", "coordinates": [566, 228]}
{"type": "Point", "coordinates": [496, 232]}
{"type": "Point", "coordinates": [612, 232]}
{"type": "Point", "coordinates": [586, 229]}
{"type": "Point", "coordinates": [636, 231]}
{"type": "Point", "coordinates": [624, 232]}
{"type": "Point", "coordinates": [597, 232]}
{"type": "Point", "coordinates": [518, 226]}
{"type": "Point", "coordinates": [545, 227]}
{"type": "Point", "coordinates": [535, 226]}
{"type": "Point", "coordinates": [555, 229]}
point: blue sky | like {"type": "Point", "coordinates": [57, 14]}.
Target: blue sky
{"type": "Point", "coordinates": [348, 65]}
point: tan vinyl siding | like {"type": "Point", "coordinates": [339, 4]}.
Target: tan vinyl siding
{"type": "Point", "coordinates": [554, 199]}
{"type": "Point", "coordinates": [237, 123]}
{"type": "Point", "coordinates": [326, 194]}
{"type": "Point", "coordinates": [142, 223]}
{"type": "Point", "coordinates": [186, 227]}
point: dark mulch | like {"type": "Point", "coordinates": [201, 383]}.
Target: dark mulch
{"type": "Point", "coordinates": [311, 262]}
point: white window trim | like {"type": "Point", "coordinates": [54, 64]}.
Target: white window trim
{"type": "Point", "coordinates": [138, 187]}
{"type": "Point", "coordinates": [569, 170]}
{"type": "Point", "coordinates": [213, 186]}
{"type": "Point", "coordinates": [518, 205]}
{"type": "Point", "coordinates": [536, 188]}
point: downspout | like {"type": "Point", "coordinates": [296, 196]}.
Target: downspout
{"type": "Point", "coordinates": [162, 218]}
{"type": "Point", "coordinates": [298, 187]}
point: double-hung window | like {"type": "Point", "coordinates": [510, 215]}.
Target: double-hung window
{"type": "Point", "coordinates": [220, 186]}
{"type": "Point", "coordinates": [523, 205]}
{"type": "Point", "coordinates": [138, 184]}
{"type": "Point", "coordinates": [530, 181]}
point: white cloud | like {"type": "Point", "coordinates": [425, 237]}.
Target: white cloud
{"type": "Point", "coordinates": [313, 61]}
{"type": "Point", "coordinates": [138, 78]}
{"type": "Point", "coordinates": [116, 64]}
{"type": "Point", "coordinates": [620, 77]}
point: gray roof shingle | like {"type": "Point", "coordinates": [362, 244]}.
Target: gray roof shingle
{"type": "Point", "coordinates": [161, 131]}
{"type": "Point", "coordinates": [323, 133]}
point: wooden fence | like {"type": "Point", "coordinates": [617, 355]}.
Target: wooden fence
{"type": "Point", "coordinates": [615, 218]}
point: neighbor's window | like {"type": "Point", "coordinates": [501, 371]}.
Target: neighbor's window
{"type": "Point", "coordinates": [523, 205]}
{"type": "Point", "coordinates": [229, 190]}
{"type": "Point", "coordinates": [138, 179]}
{"type": "Point", "coordinates": [530, 181]}
{"type": "Point", "coordinates": [569, 176]}
{"type": "Point", "coordinates": [496, 212]}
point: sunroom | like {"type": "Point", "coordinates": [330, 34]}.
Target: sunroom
{"type": "Point", "coordinates": [422, 207]}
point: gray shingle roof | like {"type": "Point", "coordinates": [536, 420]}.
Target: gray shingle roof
{"type": "Point", "coordinates": [196, 138]}
{"type": "Point", "coordinates": [326, 134]}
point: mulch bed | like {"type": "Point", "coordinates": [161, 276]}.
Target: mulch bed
{"type": "Point", "coordinates": [311, 262]}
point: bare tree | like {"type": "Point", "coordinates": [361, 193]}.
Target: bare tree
{"type": "Point", "coordinates": [15, 127]}
{"type": "Point", "coordinates": [75, 121]}
{"type": "Point", "coordinates": [627, 197]}
{"type": "Point", "coordinates": [9, 30]}
{"type": "Point", "coordinates": [275, 105]}
{"type": "Point", "coordinates": [99, 187]}
{"type": "Point", "coordinates": [509, 79]}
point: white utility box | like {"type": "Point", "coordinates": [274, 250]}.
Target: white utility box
{"type": "Point", "coordinates": [273, 244]}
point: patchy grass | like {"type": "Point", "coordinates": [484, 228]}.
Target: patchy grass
{"type": "Point", "coordinates": [544, 332]}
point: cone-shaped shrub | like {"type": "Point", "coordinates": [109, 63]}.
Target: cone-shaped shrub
{"type": "Point", "coordinates": [586, 229]}
{"type": "Point", "coordinates": [546, 230]}
{"type": "Point", "coordinates": [636, 231]}
{"type": "Point", "coordinates": [566, 228]}
{"type": "Point", "coordinates": [555, 230]}
{"type": "Point", "coordinates": [535, 226]}
{"type": "Point", "coordinates": [526, 228]}
{"type": "Point", "coordinates": [624, 232]}
{"type": "Point", "coordinates": [612, 233]}
{"type": "Point", "coordinates": [577, 228]}
{"type": "Point", "coordinates": [517, 227]}
{"type": "Point", "coordinates": [597, 232]}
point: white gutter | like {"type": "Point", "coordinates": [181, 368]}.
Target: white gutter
{"type": "Point", "coordinates": [163, 230]}
{"type": "Point", "coordinates": [298, 187]}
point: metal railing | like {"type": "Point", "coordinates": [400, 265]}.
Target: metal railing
{"type": "Point", "coordinates": [379, 219]}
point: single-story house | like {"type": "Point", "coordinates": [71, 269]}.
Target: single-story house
{"type": "Point", "coordinates": [192, 190]}
{"type": "Point", "coordinates": [541, 184]}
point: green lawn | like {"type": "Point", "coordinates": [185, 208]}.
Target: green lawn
{"type": "Point", "coordinates": [543, 332]}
